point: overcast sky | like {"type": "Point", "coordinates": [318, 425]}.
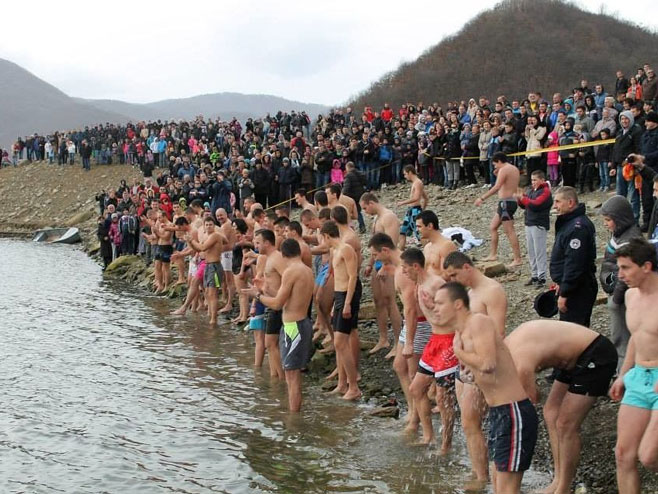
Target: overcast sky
{"type": "Point", "coordinates": [319, 52]}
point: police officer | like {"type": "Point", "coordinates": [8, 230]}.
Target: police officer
{"type": "Point", "coordinates": [573, 258]}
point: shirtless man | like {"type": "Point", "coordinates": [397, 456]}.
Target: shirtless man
{"type": "Point", "coordinates": [487, 297]}
{"type": "Point", "coordinates": [416, 203]}
{"type": "Point", "coordinates": [212, 243]}
{"type": "Point", "coordinates": [512, 417]}
{"type": "Point", "coordinates": [507, 184]}
{"type": "Point", "coordinates": [416, 331]}
{"type": "Point", "coordinates": [302, 202]}
{"type": "Point", "coordinates": [383, 287]}
{"type": "Point", "coordinates": [584, 363]}
{"type": "Point", "coordinates": [279, 228]}
{"type": "Point", "coordinates": [637, 424]}
{"type": "Point", "coordinates": [335, 198]}
{"type": "Point", "coordinates": [347, 297]}
{"type": "Point", "coordinates": [194, 280]}
{"type": "Point", "coordinates": [438, 363]}
{"type": "Point", "coordinates": [227, 258]}
{"type": "Point", "coordinates": [294, 231]}
{"type": "Point", "coordinates": [293, 296]}
{"type": "Point", "coordinates": [179, 244]}
{"type": "Point", "coordinates": [164, 251]}
{"type": "Point", "coordinates": [437, 247]}
{"type": "Point", "coordinates": [270, 267]}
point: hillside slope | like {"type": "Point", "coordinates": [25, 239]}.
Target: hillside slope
{"type": "Point", "coordinates": [519, 45]}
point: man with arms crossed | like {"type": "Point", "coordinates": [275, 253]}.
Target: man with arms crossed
{"type": "Point", "coordinates": [583, 364]}
{"type": "Point", "coordinates": [347, 297]}
{"type": "Point", "coordinates": [294, 296]}
{"type": "Point", "coordinates": [486, 296]}
{"type": "Point", "coordinates": [507, 183]}
{"type": "Point", "coordinates": [512, 417]}
{"type": "Point", "coordinates": [637, 424]}
{"type": "Point", "coordinates": [383, 289]}
{"type": "Point", "coordinates": [212, 243]}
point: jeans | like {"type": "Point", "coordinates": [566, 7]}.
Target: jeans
{"type": "Point", "coordinates": [604, 175]}
{"type": "Point", "coordinates": [71, 158]}
{"type": "Point", "coordinates": [85, 164]}
{"type": "Point", "coordinates": [396, 171]}
{"type": "Point", "coordinates": [451, 171]}
{"type": "Point", "coordinates": [536, 244]}
{"type": "Point", "coordinates": [372, 175]}
{"type": "Point", "coordinates": [619, 334]}
{"type": "Point", "coordinates": [622, 190]}
{"type": "Point", "coordinates": [321, 179]}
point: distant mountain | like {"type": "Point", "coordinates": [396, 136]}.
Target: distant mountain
{"type": "Point", "coordinates": [29, 104]}
{"type": "Point", "coordinates": [519, 45]}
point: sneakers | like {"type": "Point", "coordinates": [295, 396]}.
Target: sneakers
{"type": "Point", "coordinates": [531, 282]}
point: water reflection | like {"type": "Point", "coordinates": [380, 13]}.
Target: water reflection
{"type": "Point", "coordinates": [104, 391]}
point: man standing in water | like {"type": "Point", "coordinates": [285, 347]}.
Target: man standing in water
{"type": "Point", "coordinates": [164, 251]}
{"type": "Point", "coordinates": [212, 243]}
{"type": "Point", "coordinates": [347, 297]}
{"type": "Point", "coordinates": [486, 296]}
{"type": "Point", "coordinates": [637, 424]}
{"type": "Point", "coordinates": [584, 363]}
{"type": "Point", "coordinates": [227, 258]}
{"type": "Point", "coordinates": [512, 417]}
{"type": "Point", "coordinates": [415, 204]}
{"type": "Point", "coordinates": [383, 289]}
{"type": "Point", "coordinates": [294, 296]}
{"type": "Point", "coordinates": [507, 184]}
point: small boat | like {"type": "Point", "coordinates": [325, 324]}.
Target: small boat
{"type": "Point", "coordinates": [57, 235]}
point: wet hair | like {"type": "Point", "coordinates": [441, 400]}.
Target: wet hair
{"type": "Point", "coordinates": [339, 215]}
{"type": "Point", "coordinates": [639, 251]}
{"type": "Point", "coordinates": [457, 260]}
{"type": "Point", "coordinates": [456, 291]}
{"type": "Point", "coordinates": [181, 220]}
{"type": "Point", "coordinates": [296, 227]}
{"type": "Point", "coordinates": [334, 188]}
{"type": "Point", "coordinates": [282, 220]}
{"type": "Point", "coordinates": [409, 169]}
{"type": "Point", "coordinates": [320, 198]}
{"type": "Point", "coordinates": [325, 214]}
{"type": "Point", "coordinates": [369, 197]}
{"type": "Point", "coordinates": [267, 235]}
{"type": "Point", "coordinates": [257, 213]}
{"type": "Point", "coordinates": [569, 193]}
{"type": "Point", "coordinates": [380, 240]}
{"type": "Point", "coordinates": [301, 192]}
{"type": "Point", "coordinates": [290, 248]}
{"type": "Point", "coordinates": [412, 255]}
{"type": "Point", "coordinates": [539, 174]}
{"type": "Point", "coordinates": [330, 228]}
{"type": "Point", "coordinates": [429, 218]}
{"type": "Point", "coordinates": [307, 214]}
{"type": "Point", "coordinates": [499, 158]}
{"type": "Point", "coordinates": [240, 225]}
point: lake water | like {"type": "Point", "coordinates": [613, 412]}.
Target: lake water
{"type": "Point", "coordinates": [104, 392]}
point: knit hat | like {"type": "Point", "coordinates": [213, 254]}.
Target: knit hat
{"type": "Point", "coordinates": [629, 115]}
{"type": "Point", "coordinates": [652, 116]}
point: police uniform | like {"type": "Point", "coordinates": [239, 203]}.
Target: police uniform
{"type": "Point", "coordinates": [573, 265]}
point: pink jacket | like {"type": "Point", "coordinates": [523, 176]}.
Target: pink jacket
{"type": "Point", "coordinates": [553, 157]}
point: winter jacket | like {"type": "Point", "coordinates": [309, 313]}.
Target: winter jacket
{"type": "Point", "coordinates": [626, 143]}
{"type": "Point", "coordinates": [483, 144]}
{"type": "Point", "coordinates": [354, 184]}
{"type": "Point", "coordinates": [618, 209]}
{"type": "Point", "coordinates": [221, 195]}
{"type": "Point", "coordinates": [534, 138]}
{"type": "Point", "coordinates": [537, 204]}
{"type": "Point", "coordinates": [649, 148]}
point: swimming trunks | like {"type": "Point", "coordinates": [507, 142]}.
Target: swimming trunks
{"type": "Point", "coordinates": [193, 266]}
{"type": "Point", "coordinates": [179, 245]}
{"type": "Point", "coordinates": [378, 265]}
{"type": "Point", "coordinates": [593, 371]}
{"type": "Point", "coordinates": [163, 253]}
{"type": "Point", "coordinates": [201, 270]}
{"type": "Point", "coordinates": [257, 321]}
{"type": "Point", "coordinates": [640, 383]}
{"type": "Point", "coordinates": [506, 209]}
{"type": "Point", "coordinates": [339, 323]}
{"type": "Point", "coordinates": [439, 360]}
{"type": "Point", "coordinates": [512, 435]}
{"type": "Point", "coordinates": [408, 226]}
{"type": "Point", "coordinates": [273, 321]}
{"type": "Point", "coordinates": [227, 260]}
{"type": "Point", "coordinates": [323, 274]}
{"type": "Point", "coordinates": [295, 344]}
{"type": "Point", "coordinates": [213, 274]}
{"type": "Point", "coordinates": [422, 336]}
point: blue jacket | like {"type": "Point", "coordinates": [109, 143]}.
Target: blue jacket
{"type": "Point", "coordinates": [220, 192]}
{"type": "Point", "coordinates": [649, 148]}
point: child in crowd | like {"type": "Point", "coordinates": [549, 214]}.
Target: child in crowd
{"type": "Point", "coordinates": [603, 154]}
{"type": "Point", "coordinates": [337, 176]}
{"type": "Point", "coordinates": [553, 159]}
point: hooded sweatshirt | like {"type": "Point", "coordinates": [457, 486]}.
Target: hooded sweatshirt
{"type": "Point", "coordinates": [620, 211]}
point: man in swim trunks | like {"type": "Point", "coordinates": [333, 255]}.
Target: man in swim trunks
{"type": "Point", "coordinates": [347, 298]}
{"type": "Point", "coordinates": [438, 363]}
{"type": "Point", "coordinates": [584, 363]}
{"type": "Point", "coordinates": [383, 287]}
{"type": "Point", "coordinates": [507, 184]}
{"type": "Point", "coordinates": [416, 331]}
{"type": "Point", "coordinates": [512, 417]}
{"type": "Point", "coordinates": [164, 251]}
{"type": "Point", "coordinates": [437, 247]}
{"type": "Point", "coordinates": [486, 296]}
{"type": "Point", "coordinates": [335, 197]}
{"type": "Point", "coordinates": [269, 270]}
{"type": "Point", "coordinates": [637, 424]}
{"type": "Point", "coordinates": [416, 203]}
{"type": "Point", "coordinates": [227, 230]}
{"type": "Point", "coordinates": [293, 230]}
{"type": "Point", "coordinates": [193, 281]}
{"type": "Point", "coordinates": [212, 244]}
{"type": "Point", "coordinates": [293, 297]}
{"type": "Point", "coordinates": [302, 201]}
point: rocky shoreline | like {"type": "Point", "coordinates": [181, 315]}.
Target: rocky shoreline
{"type": "Point", "coordinates": [38, 195]}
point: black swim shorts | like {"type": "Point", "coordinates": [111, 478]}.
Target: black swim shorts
{"type": "Point", "coordinates": [339, 323]}
{"type": "Point", "coordinates": [273, 321]}
{"type": "Point", "coordinates": [295, 343]}
{"type": "Point", "coordinates": [163, 253]}
{"type": "Point", "coordinates": [512, 435]}
{"type": "Point", "coordinates": [506, 209]}
{"type": "Point", "coordinates": [594, 369]}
